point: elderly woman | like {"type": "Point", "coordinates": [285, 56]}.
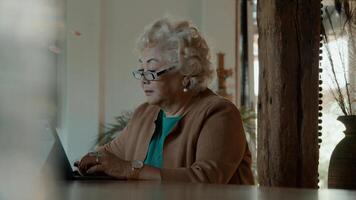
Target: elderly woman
{"type": "Point", "coordinates": [184, 132]}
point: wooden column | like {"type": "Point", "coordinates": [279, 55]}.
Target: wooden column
{"type": "Point", "coordinates": [288, 100]}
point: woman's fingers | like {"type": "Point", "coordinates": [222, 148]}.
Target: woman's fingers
{"type": "Point", "coordinates": [96, 169]}
{"type": "Point", "coordinates": [104, 163]}
{"type": "Point", "coordinates": [86, 162]}
{"type": "Point", "coordinates": [76, 163]}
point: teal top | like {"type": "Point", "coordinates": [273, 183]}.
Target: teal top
{"type": "Point", "coordinates": [164, 126]}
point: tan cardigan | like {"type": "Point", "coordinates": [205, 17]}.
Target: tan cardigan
{"type": "Point", "coordinates": [207, 145]}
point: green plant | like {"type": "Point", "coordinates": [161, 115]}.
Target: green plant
{"type": "Point", "coordinates": [248, 116]}
{"type": "Point", "coordinates": [112, 129]}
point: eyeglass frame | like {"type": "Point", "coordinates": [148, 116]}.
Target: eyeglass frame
{"type": "Point", "coordinates": [154, 74]}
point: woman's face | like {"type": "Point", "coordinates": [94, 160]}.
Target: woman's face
{"type": "Point", "coordinates": [168, 86]}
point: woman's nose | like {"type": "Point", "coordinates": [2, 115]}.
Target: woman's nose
{"type": "Point", "coordinates": [144, 81]}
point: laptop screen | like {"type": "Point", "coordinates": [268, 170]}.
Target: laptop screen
{"type": "Point", "coordinates": [57, 162]}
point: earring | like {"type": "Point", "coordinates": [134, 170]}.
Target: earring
{"type": "Point", "coordinates": [186, 83]}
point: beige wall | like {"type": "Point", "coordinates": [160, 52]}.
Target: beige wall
{"type": "Point", "coordinates": [218, 24]}
{"type": "Point", "coordinates": [80, 96]}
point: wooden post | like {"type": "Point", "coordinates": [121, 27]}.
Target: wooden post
{"type": "Point", "coordinates": [288, 95]}
{"type": "Point", "coordinates": [223, 74]}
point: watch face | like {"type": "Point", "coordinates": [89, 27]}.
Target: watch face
{"type": "Point", "coordinates": [137, 164]}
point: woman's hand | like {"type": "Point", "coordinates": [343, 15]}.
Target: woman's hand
{"type": "Point", "coordinates": [107, 163]}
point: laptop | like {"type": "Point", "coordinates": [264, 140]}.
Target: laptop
{"type": "Point", "coordinates": [58, 164]}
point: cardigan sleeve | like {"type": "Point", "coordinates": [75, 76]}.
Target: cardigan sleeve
{"type": "Point", "coordinates": [220, 147]}
{"type": "Point", "coordinates": [118, 144]}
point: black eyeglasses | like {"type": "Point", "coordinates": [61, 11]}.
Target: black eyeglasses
{"type": "Point", "coordinates": [150, 75]}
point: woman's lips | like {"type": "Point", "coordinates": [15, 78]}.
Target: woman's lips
{"type": "Point", "coordinates": [148, 92]}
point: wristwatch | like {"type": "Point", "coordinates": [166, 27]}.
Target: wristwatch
{"type": "Point", "coordinates": [136, 166]}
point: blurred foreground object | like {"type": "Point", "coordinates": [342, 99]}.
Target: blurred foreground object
{"type": "Point", "coordinates": [27, 94]}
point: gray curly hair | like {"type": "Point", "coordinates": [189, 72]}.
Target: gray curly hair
{"type": "Point", "coordinates": [190, 49]}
